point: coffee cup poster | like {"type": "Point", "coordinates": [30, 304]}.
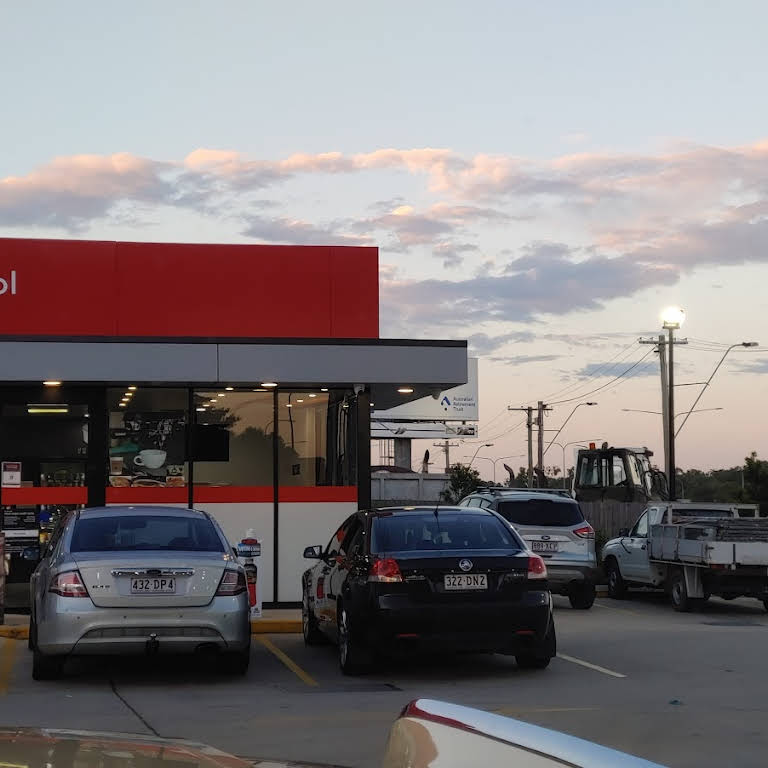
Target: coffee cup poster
{"type": "Point", "coordinates": [147, 449]}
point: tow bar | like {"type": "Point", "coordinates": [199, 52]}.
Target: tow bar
{"type": "Point", "coordinates": [153, 645]}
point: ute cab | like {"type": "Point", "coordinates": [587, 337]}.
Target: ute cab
{"type": "Point", "coordinates": [620, 474]}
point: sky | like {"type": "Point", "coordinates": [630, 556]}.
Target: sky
{"type": "Point", "coordinates": [541, 179]}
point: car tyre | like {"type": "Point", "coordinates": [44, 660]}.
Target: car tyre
{"type": "Point", "coordinates": [354, 658]}
{"type": "Point", "coordinates": [678, 593]}
{"type": "Point", "coordinates": [47, 667]}
{"type": "Point", "coordinates": [309, 627]}
{"type": "Point", "coordinates": [236, 662]}
{"type": "Point", "coordinates": [582, 597]}
{"type": "Point", "coordinates": [32, 635]}
{"type": "Point", "coordinates": [540, 657]}
{"type": "Point", "coordinates": [617, 588]}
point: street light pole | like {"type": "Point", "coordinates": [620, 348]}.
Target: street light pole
{"type": "Point", "coordinates": [479, 448]}
{"type": "Point", "coordinates": [712, 376]}
{"type": "Point", "coordinates": [563, 425]}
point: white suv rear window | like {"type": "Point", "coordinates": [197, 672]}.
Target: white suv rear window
{"type": "Point", "coordinates": [544, 512]}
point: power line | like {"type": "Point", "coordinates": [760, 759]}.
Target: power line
{"type": "Point", "coordinates": [607, 384]}
{"type": "Point", "coordinates": [601, 370]}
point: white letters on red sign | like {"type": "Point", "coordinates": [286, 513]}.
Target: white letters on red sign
{"type": "Point", "coordinates": [4, 284]}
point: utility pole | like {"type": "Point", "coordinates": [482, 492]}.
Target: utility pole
{"type": "Point", "coordinates": [540, 424]}
{"type": "Point", "coordinates": [528, 410]}
{"type": "Point", "coordinates": [446, 446]}
{"type": "Point", "coordinates": [665, 347]}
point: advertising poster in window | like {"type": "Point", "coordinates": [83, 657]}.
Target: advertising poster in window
{"type": "Point", "coordinates": [147, 449]}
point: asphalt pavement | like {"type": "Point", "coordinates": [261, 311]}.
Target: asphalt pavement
{"type": "Point", "coordinates": [685, 690]}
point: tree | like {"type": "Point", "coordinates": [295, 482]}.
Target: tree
{"type": "Point", "coordinates": [463, 480]}
{"type": "Point", "coordinates": [756, 480]}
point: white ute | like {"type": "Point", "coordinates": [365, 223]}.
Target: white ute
{"type": "Point", "coordinates": [692, 551]}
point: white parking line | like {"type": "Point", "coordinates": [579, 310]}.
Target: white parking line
{"type": "Point", "coordinates": [587, 664]}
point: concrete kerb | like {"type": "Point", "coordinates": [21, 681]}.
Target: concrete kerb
{"type": "Point", "coordinates": [258, 627]}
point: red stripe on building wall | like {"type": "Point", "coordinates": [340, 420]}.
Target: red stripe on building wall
{"type": "Point", "coordinates": [147, 495]}
{"type": "Point", "coordinates": [234, 493]}
{"type": "Point", "coordinates": [57, 494]}
{"type": "Point", "coordinates": [320, 493]}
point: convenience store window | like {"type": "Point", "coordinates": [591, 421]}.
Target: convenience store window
{"type": "Point", "coordinates": [233, 439]}
{"type": "Point", "coordinates": [313, 436]}
{"type": "Point", "coordinates": [147, 437]}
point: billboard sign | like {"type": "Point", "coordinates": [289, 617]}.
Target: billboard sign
{"type": "Point", "coordinates": [455, 404]}
{"type": "Point", "coordinates": [421, 430]}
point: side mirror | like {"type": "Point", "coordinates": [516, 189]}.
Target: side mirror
{"type": "Point", "coordinates": [31, 553]}
{"type": "Point", "coordinates": [623, 532]}
{"type": "Point", "coordinates": [313, 553]}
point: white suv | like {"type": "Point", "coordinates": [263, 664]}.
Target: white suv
{"type": "Point", "coordinates": [553, 526]}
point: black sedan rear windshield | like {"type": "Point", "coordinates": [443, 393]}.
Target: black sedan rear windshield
{"type": "Point", "coordinates": [447, 530]}
{"type": "Point", "coordinates": [145, 532]}
{"type": "Point", "coordinates": [543, 512]}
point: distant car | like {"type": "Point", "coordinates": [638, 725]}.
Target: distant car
{"type": "Point", "coordinates": [552, 525]}
{"type": "Point", "coordinates": [420, 578]}
{"type": "Point", "coordinates": [138, 580]}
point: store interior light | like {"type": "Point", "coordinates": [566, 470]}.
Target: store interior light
{"type": "Point", "coordinates": [129, 394]}
{"type": "Point", "coordinates": [43, 409]}
{"type": "Point", "coordinates": [52, 383]}
{"type": "Point", "coordinates": [221, 394]}
{"type": "Point", "coordinates": [323, 389]}
{"type": "Point", "coordinates": [132, 387]}
{"type": "Point", "coordinates": [200, 409]}
{"type": "Point", "coordinates": [313, 394]}
{"type": "Point", "coordinates": [288, 405]}
{"type": "Point", "coordinates": [122, 405]}
{"type": "Point", "coordinates": [260, 389]}
{"type": "Point", "coordinates": [300, 400]}
{"type": "Point", "coordinates": [269, 384]}
{"type": "Point", "coordinates": [405, 390]}
{"type": "Point", "coordinates": [229, 389]}
{"type": "Point", "coordinates": [125, 399]}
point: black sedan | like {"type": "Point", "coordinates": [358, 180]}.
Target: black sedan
{"type": "Point", "coordinates": [427, 579]}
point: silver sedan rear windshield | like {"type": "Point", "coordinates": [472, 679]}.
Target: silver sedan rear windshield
{"type": "Point", "coordinates": [145, 532]}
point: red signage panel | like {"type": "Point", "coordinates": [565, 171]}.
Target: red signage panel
{"type": "Point", "coordinates": [88, 288]}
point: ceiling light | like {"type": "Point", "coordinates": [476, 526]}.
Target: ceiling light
{"type": "Point", "coordinates": [201, 409]}
{"type": "Point", "coordinates": [288, 405]}
{"type": "Point", "coordinates": [132, 387]}
{"type": "Point", "coordinates": [260, 390]}
{"type": "Point", "coordinates": [129, 394]}
{"type": "Point", "coordinates": [38, 409]}
{"type": "Point", "coordinates": [213, 402]}
{"type": "Point", "coordinates": [405, 390]}
{"type": "Point", "coordinates": [221, 394]}
{"type": "Point", "coordinates": [229, 389]}
{"type": "Point", "coordinates": [300, 400]}
{"type": "Point", "coordinates": [268, 384]}
{"type": "Point", "coordinates": [52, 383]}
{"type": "Point", "coordinates": [122, 405]}
{"type": "Point", "coordinates": [125, 399]}
{"type": "Point", "coordinates": [312, 394]}
{"type": "Point", "coordinates": [323, 389]}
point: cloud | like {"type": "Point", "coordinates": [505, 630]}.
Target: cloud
{"type": "Point", "coordinates": [525, 359]}
{"type": "Point", "coordinates": [754, 366]}
{"type": "Point", "coordinates": [451, 252]}
{"type": "Point", "coordinates": [546, 279]}
{"type": "Point", "coordinates": [483, 344]}
{"type": "Point", "coordinates": [294, 231]}
{"type": "Point", "coordinates": [610, 369]}
{"type": "Point", "coordinates": [70, 192]}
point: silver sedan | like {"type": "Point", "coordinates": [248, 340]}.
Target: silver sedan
{"type": "Point", "coordinates": [138, 580]}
